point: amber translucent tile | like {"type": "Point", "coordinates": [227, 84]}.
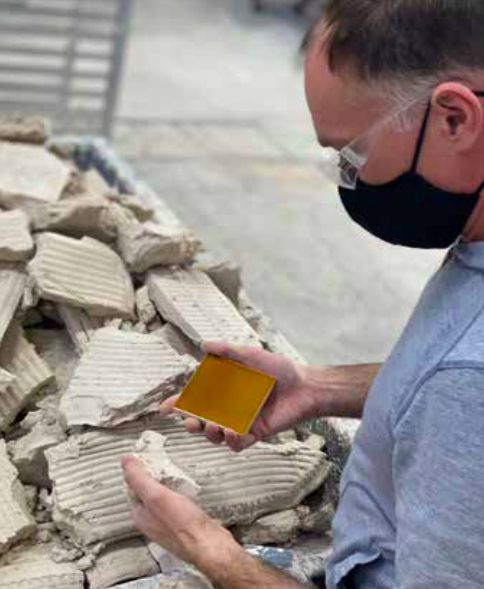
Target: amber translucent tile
{"type": "Point", "coordinates": [226, 393]}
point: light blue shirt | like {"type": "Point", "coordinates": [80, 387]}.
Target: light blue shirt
{"type": "Point", "coordinates": [411, 513]}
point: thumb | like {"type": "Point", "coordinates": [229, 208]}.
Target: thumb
{"type": "Point", "coordinates": [225, 350]}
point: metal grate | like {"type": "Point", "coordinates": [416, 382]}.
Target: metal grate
{"type": "Point", "coordinates": [63, 59]}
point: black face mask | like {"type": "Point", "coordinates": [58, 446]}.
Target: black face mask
{"type": "Point", "coordinates": [410, 211]}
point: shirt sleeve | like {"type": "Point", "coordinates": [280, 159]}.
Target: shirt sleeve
{"type": "Point", "coordinates": [438, 466]}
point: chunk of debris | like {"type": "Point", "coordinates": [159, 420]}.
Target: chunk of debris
{"type": "Point", "coordinates": [30, 175]}
{"type": "Point", "coordinates": [16, 523]}
{"type": "Point", "coordinates": [12, 284]}
{"type": "Point", "coordinates": [76, 217]}
{"type": "Point", "coordinates": [273, 340]}
{"type": "Point", "coordinates": [235, 488]}
{"type": "Point", "coordinates": [128, 559]}
{"type": "Point", "coordinates": [275, 528]}
{"type": "Point", "coordinates": [28, 451]}
{"type": "Point", "coordinates": [121, 376]}
{"type": "Point", "coordinates": [96, 185]}
{"type": "Point", "coordinates": [151, 451]}
{"type": "Point", "coordinates": [6, 380]}
{"type": "Point", "coordinates": [83, 273]}
{"type": "Point", "coordinates": [318, 520]}
{"type": "Point", "coordinates": [144, 307]}
{"type": "Point", "coordinates": [55, 348]}
{"type": "Point", "coordinates": [19, 358]}
{"type": "Point", "coordinates": [185, 580]}
{"type": "Point", "coordinates": [33, 567]}
{"type": "Point", "coordinates": [192, 302]}
{"type": "Point", "coordinates": [226, 275]}
{"type": "Point", "coordinates": [143, 246]}
{"type": "Point", "coordinates": [80, 326]}
{"type": "Point", "coordinates": [16, 243]}
{"type": "Point", "coordinates": [22, 129]}
{"type": "Point", "coordinates": [135, 204]}
{"type": "Point", "coordinates": [179, 341]}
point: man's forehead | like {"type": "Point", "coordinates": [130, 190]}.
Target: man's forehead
{"type": "Point", "coordinates": [341, 106]}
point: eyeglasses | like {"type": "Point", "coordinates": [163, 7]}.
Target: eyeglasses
{"type": "Point", "coordinates": [343, 167]}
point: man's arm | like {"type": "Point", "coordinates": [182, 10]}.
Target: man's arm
{"type": "Point", "coordinates": [181, 527]}
{"type": "Point", "coordinates": [340, 391]}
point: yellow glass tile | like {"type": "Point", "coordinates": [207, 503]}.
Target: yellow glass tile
{"type": "Point", "coordinates": [226, 393]}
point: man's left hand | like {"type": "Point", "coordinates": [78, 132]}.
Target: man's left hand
{"type": "Point", "coordinates": [175, 522]}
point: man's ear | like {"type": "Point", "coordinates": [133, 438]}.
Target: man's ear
{"type": "Point", "coordinates": [459, 115]}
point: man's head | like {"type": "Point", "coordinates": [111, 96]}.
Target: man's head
{"type": "Point", "coordinates": [367, 57]}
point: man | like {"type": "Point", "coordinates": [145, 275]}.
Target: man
{"type": "Point", "coordinates": [397, 87]}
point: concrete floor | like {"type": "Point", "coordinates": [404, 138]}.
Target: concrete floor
{"type": "Point", "coordinates": [212, 115]}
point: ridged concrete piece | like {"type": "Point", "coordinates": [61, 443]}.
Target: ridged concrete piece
{"type": "Point", "coordinates": [30, 175]}
{"type": "Point", "coordinates": [12, 283]}
{"type": "Point", "coordinates": [16, 523]}
{"type": "Point", "coordinates": [35, 569]}
{"type": "Point", "coordinates": [121, 376]}
{"type": "Point", "coordinates": [90, 501]}
{"type": "Point", "coordinates": [144, 307]}
{"type": "Point", "coordinates": [77, 216]}
{"type": "Point", "coordinates": [128, 559]}
{"type": "Point", "coordinates": [80, 326]}
{"type": "Point", "coordinates": [192, 302]}
{"type": "Point", "coordinates": [19, 358]}
{"type": "Point", "coordinates": [16, 243]}
{"type": "Point", "coordinates": [83, 273]}
{"type": "Point", "coordinates": [6, 379]}
{"type": "Point", "coordinates": [179, 341]}
{"type": "Point", "coordinates": [143, 246]}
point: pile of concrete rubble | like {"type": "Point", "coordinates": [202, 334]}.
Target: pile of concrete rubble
{"type": "Point", "coordinates": [103, 304]}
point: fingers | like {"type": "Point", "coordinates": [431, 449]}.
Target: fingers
{"type": "Point", "coordinates": [194, 426]}
{"type": "Point", "coordinates": [140, 482]}
{"type": "Point", "coordinates": [214, 433]}
{"type": "Point", "coordinates": [168, 405]}
{"type": "Point", "coordinates": [238, 442]}
{"type": "Point", "coordinates": [237, 353]}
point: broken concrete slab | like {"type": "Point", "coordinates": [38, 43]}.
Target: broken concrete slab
{"type": "Point", "coordinates": [273, 339]}
{"type": "Point", "coordinates": [33, 567]}
{"type": "Point", "coordinates": [176, 339]}
{"type": "Point", "coordinates": [226, 275]}
{"type": "Point", "coordinates": [16, 243]}
{"type": "Point", "coordinates": [145, 245]}
{"type": "Point", "coordinates": [55, 348]}
{"type": "Point", "coordinates": [19, 358]}
{"type": "Point", "coordinates": [23, 129]}
{"type": "Point", "coordinates": [30, 175]}
{"type": "Point", "coordinates": [6, 380]}
{"type": "Point", "coordinates": [12, 283]}
{"type": "Point", "coordinates": [186, 580]}
{"type": "Point", "coordinates": [121, 376]}
{"type": "Point", "coordinates": [125, 560]}
{"type": "Point", "coordinates": [80, 326]}
{"type": "Point", "coordinates": [275, 528]}
{"type": "Point", "coordinates": [28, 452]}
{"type": "Point", "coordinates": [151, 451]}
{"type": "Point", "coordinates": [318, 520]}
{"type": "Point", "coordinates": [135, 204]}
{"type": "Point", "coordinates": [83, 273]}
{"type": "Point", "coordinates": [16, 523]}
{"type": "Point", "coordinates": [192, 302]}
{"type": "Point", "coordinates": [144, 307]}
{"type": "Point", "coordinates": [76, 217]}
{"type": "Point", "coordinates": [235, 488]}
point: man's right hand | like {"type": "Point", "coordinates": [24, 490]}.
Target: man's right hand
{"type": "Point", "coordinates": [290, 402]}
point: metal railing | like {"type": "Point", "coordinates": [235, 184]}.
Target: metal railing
{"type": "Point", "coordinates": [63, 59]}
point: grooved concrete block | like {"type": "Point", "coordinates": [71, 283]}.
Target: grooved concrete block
{"type": "Point", "coordinates": [121, 376]}
{"type": "Point", "coordinates": [192, 302]}
{"type": "Point", "coordinates": [16, 523]}
{"type": "Point", "coordinates": [76, 217]}
{"type": "Point", "coordinates": [19, 358]}
{"type": "Point", "coordinates": [128, 559]}
{"type": "Point", "coordinates": [16, 243]}
{"type": "Point", "coordinates": [33, 568]}
{"type": "Point", "coordinates": [91, 504]}
{"type": "Point", "coordinates": [83, 273]}
{"type": "Point", "coordinates": [12, 283]}
{"type": "Point", "coordinates": [143, 246]}
{"type": "Point", "coordinates": [30, 175]}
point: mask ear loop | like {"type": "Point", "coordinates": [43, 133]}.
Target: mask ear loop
{"type": "Point", "coordinates": [421, 138]}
